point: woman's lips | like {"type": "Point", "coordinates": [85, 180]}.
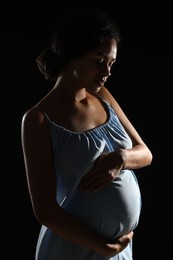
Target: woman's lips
{"type": "Point", "coordinates": [100, 82]}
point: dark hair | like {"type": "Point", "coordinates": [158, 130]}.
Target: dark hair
{"type": "Point", "coordinates": [77, 34]}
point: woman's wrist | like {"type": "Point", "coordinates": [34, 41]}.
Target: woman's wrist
{"type": "Point", "coordinates": [118, 158]}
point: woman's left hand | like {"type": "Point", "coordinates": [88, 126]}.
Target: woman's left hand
{"type": "Point", "coordinates": [101, 174]}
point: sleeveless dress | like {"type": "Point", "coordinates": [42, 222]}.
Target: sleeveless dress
{"type": "Point", "coordinates": [112, 211]}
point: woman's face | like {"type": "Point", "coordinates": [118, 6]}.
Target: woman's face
{"type": "Point", "coordinates": [93, 69]}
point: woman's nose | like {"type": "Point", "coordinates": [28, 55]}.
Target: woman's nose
{"type": "Point", "coordinates": [105, 70]}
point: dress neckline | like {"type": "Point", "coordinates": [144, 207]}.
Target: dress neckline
{"type": "Point", "coordinates": [99, 127]}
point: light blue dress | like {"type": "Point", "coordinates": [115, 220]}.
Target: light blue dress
{"type": "Point", "coordinates": [112, 211]}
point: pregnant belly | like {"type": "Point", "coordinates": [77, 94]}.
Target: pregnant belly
{"type": "Point", "coordinates": [112, 211]}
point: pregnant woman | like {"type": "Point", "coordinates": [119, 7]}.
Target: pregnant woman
{"type": "Point", "coordinates": [80, 149]}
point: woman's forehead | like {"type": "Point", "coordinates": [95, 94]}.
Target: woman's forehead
{"type": "Point", "coordinates": [107, 49]}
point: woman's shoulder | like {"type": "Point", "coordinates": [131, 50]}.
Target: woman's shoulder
{"type": "Point", "coordinates": [105, 94]}
{"type": "Point", "coordinates": [111, 100]}
{"type": "Point", "coordinates": [33, 116]}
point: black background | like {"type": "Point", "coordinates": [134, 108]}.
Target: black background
{"type": "Point", "coordinates": [142, 83]}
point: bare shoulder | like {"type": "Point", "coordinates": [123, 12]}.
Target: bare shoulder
{"type": "Point", "coordinates": [106, 95]}
{"type": "Point", "coordinates": [33, 117]}
{"type": "Point", "coordinates": [35, 127]}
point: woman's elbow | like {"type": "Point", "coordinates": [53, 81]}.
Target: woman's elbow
{"type": "Point", "coordinates": [149, 157]}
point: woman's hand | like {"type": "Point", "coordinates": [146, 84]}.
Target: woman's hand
{"type": "Point", "coordinates": [105, 170]}
{"type": "Point", "coordinates": [119, 245]}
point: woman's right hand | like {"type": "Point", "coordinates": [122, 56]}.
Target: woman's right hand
{"type": "Point", "coordinates": [119, 245]}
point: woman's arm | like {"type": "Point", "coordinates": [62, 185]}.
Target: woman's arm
{"type": "Point", "coordinates": [139, 155]}
{"type": "Point", "coordinates": [109, 165]}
